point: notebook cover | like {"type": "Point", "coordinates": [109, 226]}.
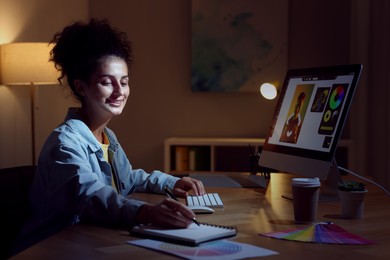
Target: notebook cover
{"type": "Point", "coordinates": [191, 236]}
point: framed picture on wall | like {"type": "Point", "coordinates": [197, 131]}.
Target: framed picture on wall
{"type": "Point", "coordinates": [238, 44]}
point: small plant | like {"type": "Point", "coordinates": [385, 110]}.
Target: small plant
{"type": "Point", "coordinates": [352, 186]}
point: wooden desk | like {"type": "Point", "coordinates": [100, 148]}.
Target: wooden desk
{"type": "Point", "coordinates": [252, 211]}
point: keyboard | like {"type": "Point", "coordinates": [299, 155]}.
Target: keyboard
{"type": "Point", "coordinates": [211, 200]}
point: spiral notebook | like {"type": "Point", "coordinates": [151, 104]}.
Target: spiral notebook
{"type": "Point", "coordinates": [191, 236]}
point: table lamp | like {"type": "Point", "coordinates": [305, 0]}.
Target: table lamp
{"type": "Point", "coordinates": [27, 64]}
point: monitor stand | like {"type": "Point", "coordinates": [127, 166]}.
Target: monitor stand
{"type": "Point", "coordinates": [329, 186]}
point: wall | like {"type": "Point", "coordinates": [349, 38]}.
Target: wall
{"type": "Point", "coordinates": [161, 103]}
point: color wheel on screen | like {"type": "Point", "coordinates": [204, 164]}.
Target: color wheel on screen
{"type": "Point", "coordinates": [333, 109]}
{"type": "Point", "coordinates": [337, 97]}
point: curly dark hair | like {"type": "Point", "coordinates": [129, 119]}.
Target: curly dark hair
{"type": "Point", "coordinates": [80, 46]}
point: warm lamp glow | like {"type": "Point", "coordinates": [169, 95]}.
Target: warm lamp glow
{"type": "Point", "coordinates": [268, 91]}
{"type": "Point", "coordinates": [26, 63]}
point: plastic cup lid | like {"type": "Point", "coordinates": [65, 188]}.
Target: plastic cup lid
{"type": "Point", "coordinates": [306, 182]}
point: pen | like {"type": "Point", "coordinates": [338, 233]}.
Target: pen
{"type": "Point", "coordinates": [172, 196]}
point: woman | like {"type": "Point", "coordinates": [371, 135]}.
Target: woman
{"type": "Point", "coordinates": [83, 173]}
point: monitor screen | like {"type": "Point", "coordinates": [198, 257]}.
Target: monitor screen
{"type": "Point", "coordinates": [309, 118]}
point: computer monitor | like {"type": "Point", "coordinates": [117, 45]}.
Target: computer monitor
{"type": "Point", "coordinates": [309, 119]}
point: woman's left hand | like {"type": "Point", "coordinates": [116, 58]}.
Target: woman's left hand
{"type": "Point", "coordinates": [185, 184]}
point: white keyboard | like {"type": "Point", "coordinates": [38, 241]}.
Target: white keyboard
{"type": "Point", "coordinates": [211, 200]}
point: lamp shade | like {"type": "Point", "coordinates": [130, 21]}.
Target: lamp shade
{"type": "Point", "coordinates": [268, 91]}
{"type": "Point", "coordinates": [26, 63]}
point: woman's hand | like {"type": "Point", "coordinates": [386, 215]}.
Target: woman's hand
{"type": "Point", "coordinates": [168, 213]}
{"type": "Point", "coordinates": [185, 184]}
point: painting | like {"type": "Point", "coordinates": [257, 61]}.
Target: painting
{"type": "Point", "coordinates": [238, 44]}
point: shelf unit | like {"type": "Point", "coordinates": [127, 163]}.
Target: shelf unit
{"type": "Point", "coordinates": [213, 155]}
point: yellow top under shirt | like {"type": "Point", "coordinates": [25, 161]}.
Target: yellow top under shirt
{"type": "Point", "coordinates": [104, 146]}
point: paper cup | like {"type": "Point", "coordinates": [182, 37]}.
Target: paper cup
{"type": "Point", "coordinates": [305, 199]}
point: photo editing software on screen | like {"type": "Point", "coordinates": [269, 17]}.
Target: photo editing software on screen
{"type": "Point", "coordinates": [311, 108]}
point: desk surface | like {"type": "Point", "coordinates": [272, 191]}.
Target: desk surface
{"type": "Point", "coordinates": [253, 211]}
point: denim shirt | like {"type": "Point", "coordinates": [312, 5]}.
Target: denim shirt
{"type": "Point", "coordinates": [73, 182]}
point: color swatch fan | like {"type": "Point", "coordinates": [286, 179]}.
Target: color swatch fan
{"type": "Point", "coordinates": [327, 233]}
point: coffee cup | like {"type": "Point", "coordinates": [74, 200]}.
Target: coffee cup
{"type": "Point", "coordinates": [305, 199]}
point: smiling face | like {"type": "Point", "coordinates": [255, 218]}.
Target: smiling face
{"type": "Point", "coordinates": [106, 92]}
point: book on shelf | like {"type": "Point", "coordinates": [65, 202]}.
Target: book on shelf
{"type": "Point", "coordinates": [181, 158]}
{"type": "Point", "coordinates": [192, 158]}
{"type": "Point", "coordinates": [199, 158]}
{"type": "Point", "coordinates": [191, 236]}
